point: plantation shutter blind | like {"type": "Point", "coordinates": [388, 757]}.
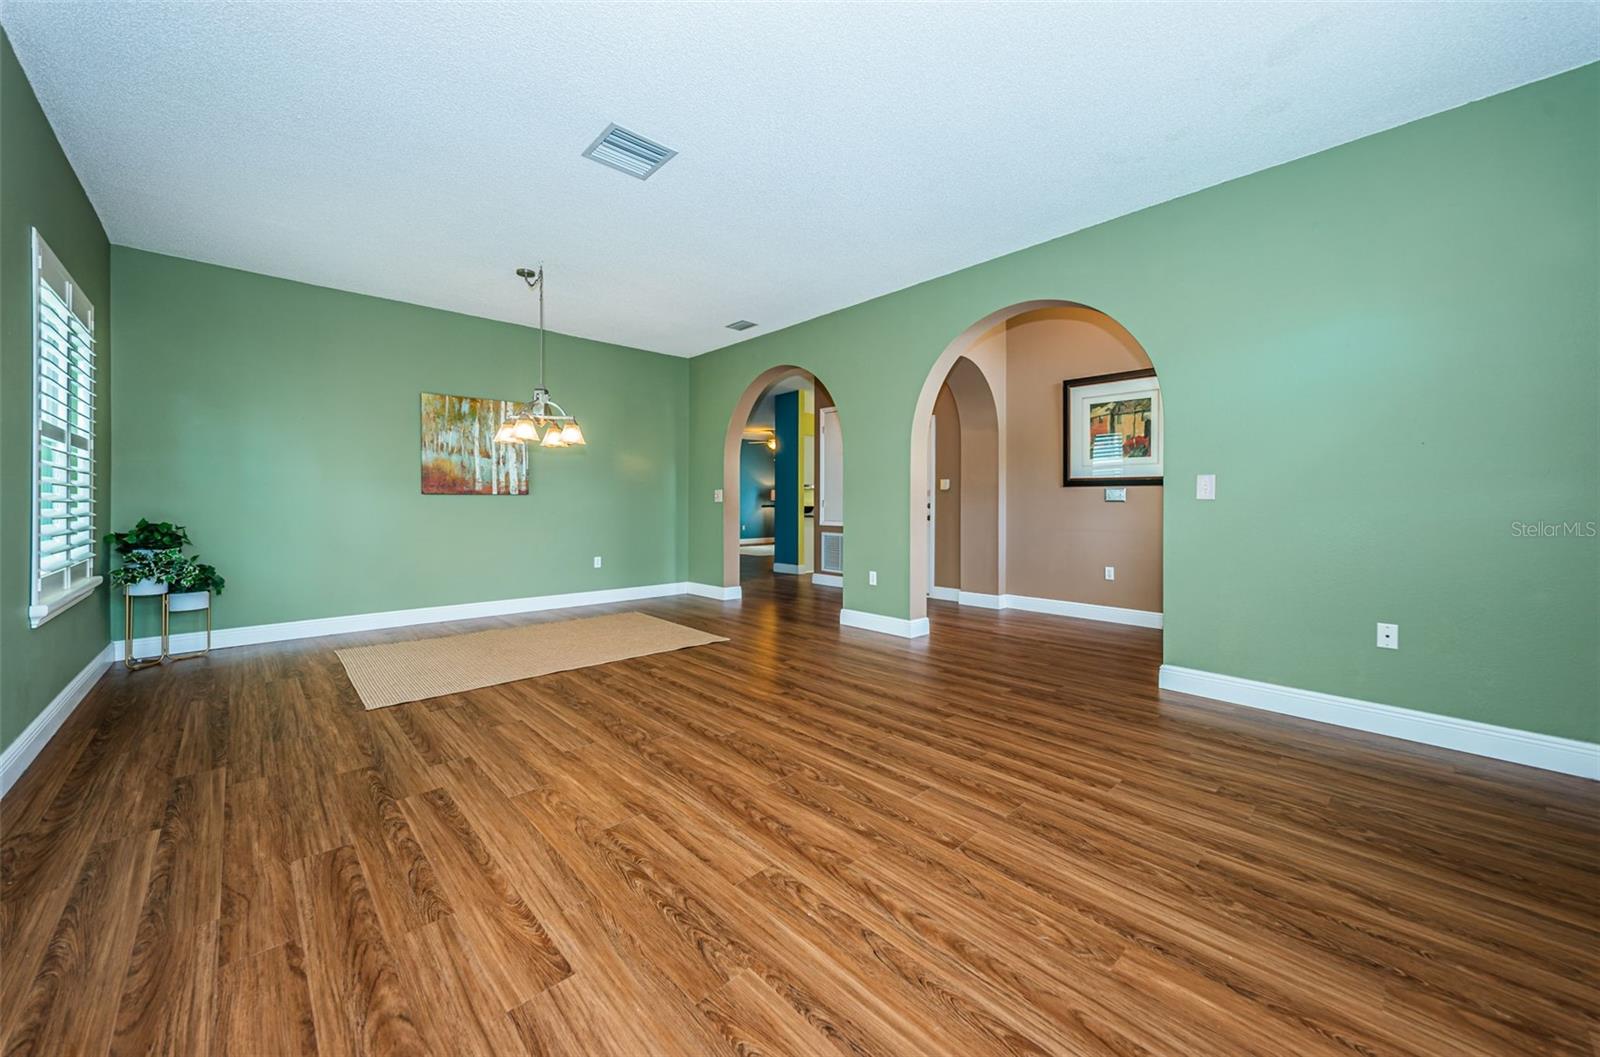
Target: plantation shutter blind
{"type": "Point", "coordinates": [64, 418]}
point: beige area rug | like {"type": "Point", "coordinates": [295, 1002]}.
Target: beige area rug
{"type": "Point", "coordinates": [397, 672]}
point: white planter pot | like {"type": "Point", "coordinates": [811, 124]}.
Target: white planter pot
{"type": "Point", "coordinates": [188, 601]}
{"type": "Point", "coordinates": [146, 587]}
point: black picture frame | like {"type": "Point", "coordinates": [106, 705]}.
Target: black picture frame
{"type": "Point", "coordinates": [1067, 386]}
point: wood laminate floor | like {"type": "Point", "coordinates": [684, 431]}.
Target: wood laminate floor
{"type": "Point", "coordinates": [808, 840]}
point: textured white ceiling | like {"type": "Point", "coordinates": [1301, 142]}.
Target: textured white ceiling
{"type": "Point", "coordinates": [828, 153]}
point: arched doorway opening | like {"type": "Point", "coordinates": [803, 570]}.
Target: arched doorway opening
{"type": "Point", "coordinates": [965, 514]}
{"type": "Point", "coordinates": [1002, 515]}
{"type": "Point", "coordinates": [783, 482]}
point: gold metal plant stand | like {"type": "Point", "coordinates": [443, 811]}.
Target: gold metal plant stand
{"type": "Point", "coordinates": [135, 663]}
{"type": "Point", "coordinates": [166, 628]}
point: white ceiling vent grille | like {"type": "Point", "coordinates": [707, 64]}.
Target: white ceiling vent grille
{"type": "Point", "coordinates": [740, 324]}
{"type": "Point", "coordinates": [629, 152]}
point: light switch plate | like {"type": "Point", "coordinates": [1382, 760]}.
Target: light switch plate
{"type": "Point", "coordinates": [1111, 572]}
{"type": "Point", "coordinates": [597, 561]}
{"type": "Point", "coordinates": [1388, 636]}
{"type": "Point", "coordinates": [1205, 486]}
{"type": "Point", "coordinates": [716, 495]}
{"type": "Point", "coordinates": [944, 484]}
{"type": "Point", "coordinates": [872, 578]}
{"type": "Point", "coordinates": [1116, 495]}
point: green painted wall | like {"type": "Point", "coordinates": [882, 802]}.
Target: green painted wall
{"type": "Point", "coordinates": [38, 189]}
{"type": "Point", "coordinates": [1387, 353]}
{"type": "Point", "coordinates": [279, 422]}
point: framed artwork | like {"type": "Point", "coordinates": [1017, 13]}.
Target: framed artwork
{"type": "Point", "coordinates": [459, 455]}
{"type": "Point", "coordinates": [1112, 432]}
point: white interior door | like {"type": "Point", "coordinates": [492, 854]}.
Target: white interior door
{"type": "Point", "coordinates": [830, 482]}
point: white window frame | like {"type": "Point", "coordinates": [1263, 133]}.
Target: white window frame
{"type": "Point", "coordinates": [81, 578]}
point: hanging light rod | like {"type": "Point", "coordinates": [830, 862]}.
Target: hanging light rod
{"type": "Point", "coordinates": [539, 414]}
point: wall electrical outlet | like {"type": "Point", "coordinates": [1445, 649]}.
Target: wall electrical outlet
{"type": "Point", "coordinates": [1111, 572]}
{"type": "Point", "coordinates": [597, 561]}
{"type": "Point", "coordinates": [1388, 636]}
{"type": "Point", "coordinates": [944, 484]}
{"type": "Point", "coordinates": [872, 578]}
{"type": "Point", "coordinates": [1205, 486]}
{"type": "Point", "coordinates": [716, 495]}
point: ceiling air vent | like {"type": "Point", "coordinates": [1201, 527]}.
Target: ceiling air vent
{"type": "Point", "coordinates": [740, 324]}
{"type": "Point", "coordinates": [628, 152]}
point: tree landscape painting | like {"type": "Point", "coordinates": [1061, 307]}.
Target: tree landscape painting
{"type": "Point", "coordinates": [459, 455]}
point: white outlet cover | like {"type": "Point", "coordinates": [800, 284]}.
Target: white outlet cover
{"type": "Point", "coordinates": [872, 578]}
{"type": "Point", "coordinates": [597, 561]}
{"type": "Point", "coordinates": [716, 495]}
{"type": "Point", "coordinates": [1205, 486]}
{"type": "Point", "coordinates": [1388, 636]}
{"type": "Point", "coordinates": [1111, 572]}
{"type": "Point", "coordinates": [944, 484]}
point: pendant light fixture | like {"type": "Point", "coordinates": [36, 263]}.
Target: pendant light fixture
{"type": "Point", "coordinates": [540, 414]}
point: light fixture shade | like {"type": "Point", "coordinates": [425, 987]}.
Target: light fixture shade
{"type": "Point", "coordinates": [571, 434]}
{"type": "Point", "coordinates": [525, 429]}
{"type": "Point", "coordinates": [552, 439]}
{"type": "Point", "coordinates": [772, 443]}
{"type": "Point", "coordinates": [507, 433]}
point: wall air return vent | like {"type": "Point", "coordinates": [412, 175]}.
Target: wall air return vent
{"type": "Point", "coordinates": [833, 552]}
{"type": "Point", "coordinates": [628, 152]}
{"type": "Point", "coordinates": [740, 324]}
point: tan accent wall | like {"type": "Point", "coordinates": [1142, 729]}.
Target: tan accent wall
{"type": "Point", "coordinates": [947, 505]}
{"type": "Point", "coordinates": [1059, 540]}
{"type": "Point", "coordinates": [981, 492]}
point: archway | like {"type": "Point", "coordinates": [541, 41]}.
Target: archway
{"type": "Point", "coordinates": [965, 512]}
{"type": "Point", "coordinates": [822, 417]}
{"type": "Point", "coordinates": [984, 366]}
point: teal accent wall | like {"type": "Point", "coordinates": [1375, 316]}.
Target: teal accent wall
{"type": "Point", "coordinates": [755, 489]}
{"type": "Point", "coordinates": [38, 189]}
{"type": "Point", "coordinates": [280, 422]}
{"type": "Point", "coordinates": [786, 474]}
{"type": "Point", "coordinates": [1386, 352]}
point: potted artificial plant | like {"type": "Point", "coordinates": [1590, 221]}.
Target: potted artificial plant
{"type": "Point", "coordinates": [148, 536]}
{"type": "Point", "coordinates": [193, 585]}
{"type": "Point", "coordinates": [148, 572]}
{"type": "Point", "coordinates": [152, 555]}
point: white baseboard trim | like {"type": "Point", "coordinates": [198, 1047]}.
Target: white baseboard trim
{"type": "Point", "coordinates": [827, 579]}
{"type": "Point", "coordinates": [713, 592]}
{"type": "Point", "coordinates": [1053, 606]}
{"type": "Point", "coordinates": [1142, 618]}
{"type": "Point", "coordinates": [1545, 751]}
{"type": "Point", "coordinates": [790, 569]}
{"type": "Point", "coordinates": [898, 626]}
{"type": "Point", "coordinates": [255, 634]}
{"type": "Point", "coordinates": [26, 748]}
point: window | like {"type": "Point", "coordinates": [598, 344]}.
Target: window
{"type": "Point", "coordinates": [63, 432]}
